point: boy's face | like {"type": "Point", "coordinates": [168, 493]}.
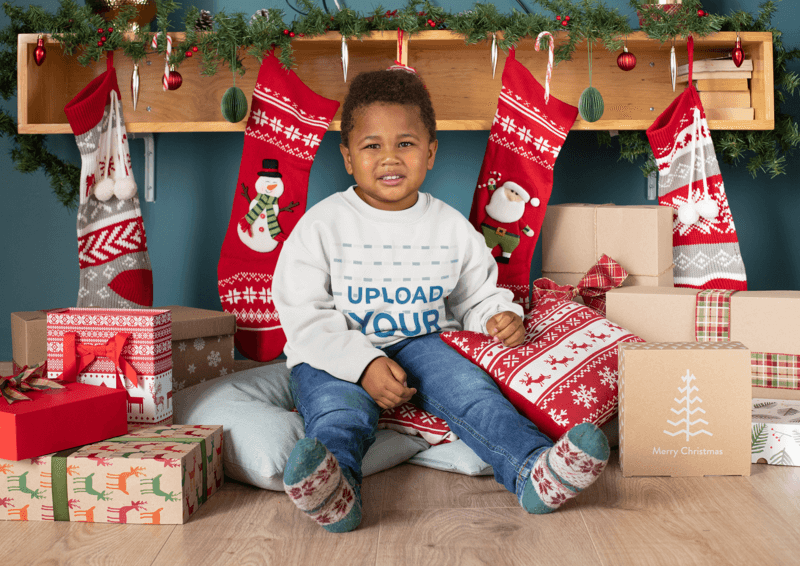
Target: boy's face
{"type": "Point", "coordinates": [388, 154]}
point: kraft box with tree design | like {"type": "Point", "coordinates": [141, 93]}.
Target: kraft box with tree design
{"type": "Point", "coordinates": [684, 409]}
{"type": "Point", "coordinates": [154, 474]}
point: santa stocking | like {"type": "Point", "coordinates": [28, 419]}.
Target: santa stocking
{"type": "Point", "coordinates": [112, 245]}
{"type": "Point", "coordinates": [286, 125]}
{"type": "Point", "coordinates": [705, 245]}
{"type": "Point", "coordinates": [516, 177]}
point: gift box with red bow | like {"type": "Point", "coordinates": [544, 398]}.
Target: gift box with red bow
{"type": "Point", "coordinates": [128, 349]}
{"type": "Point", "coordinates": [638, 237]}
{"type": "Point", "coordinates": [39, 416]}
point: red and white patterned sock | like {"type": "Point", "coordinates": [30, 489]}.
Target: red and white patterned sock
{"type": "Point", "coordinates": [705, 244]}
{"type": "Point", "coordinates": [567, 468]}
{"type": "Point", "coordinates": [286, 125]}
{"type": "Point", "coordinates": [115, 270]}
{"type": "Point", "coordinates": [516, 176]}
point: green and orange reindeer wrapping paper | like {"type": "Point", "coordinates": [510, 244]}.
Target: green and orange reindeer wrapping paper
{"type": "Point", "coordinates": [154, 475]}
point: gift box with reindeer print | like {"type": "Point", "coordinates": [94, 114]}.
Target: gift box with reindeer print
{"type": "Point", "coordinates": [118, 348]}
{"type": "Point", "coordinates": [155, 474]}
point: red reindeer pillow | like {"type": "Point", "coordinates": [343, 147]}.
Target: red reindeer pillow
{"type": "Point", "coordinates": [565, 372]}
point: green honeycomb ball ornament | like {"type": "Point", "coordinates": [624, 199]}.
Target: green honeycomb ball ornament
{"type": "Point", "coordinates": [234, 105]}
{"type": "Point", "coordinates": [591, 104]}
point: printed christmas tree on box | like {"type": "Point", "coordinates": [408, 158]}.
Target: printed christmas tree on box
{"type": "Point", "coordinates": [684, 408]}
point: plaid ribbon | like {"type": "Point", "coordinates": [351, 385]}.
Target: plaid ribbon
{"type": "Point", "coordinates": [712, 324]}
{"type": "Point", "coordinates": [605, 275]}
{"type": "Point", "coordinates": [712, 317]}
{"type": "Point", "coordinates": [26, 379]}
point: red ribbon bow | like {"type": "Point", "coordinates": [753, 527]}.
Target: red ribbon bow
{"type": "Point", "coordinates": [605, 275]}
{"type": "Point", "coordinates": [78, 356]}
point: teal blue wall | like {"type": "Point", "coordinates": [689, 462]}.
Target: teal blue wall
{"type": "Point", "coordinates": [196, 174]}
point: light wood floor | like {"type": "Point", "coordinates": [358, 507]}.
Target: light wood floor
{"type": "Point", "coordinates": [417, 516]}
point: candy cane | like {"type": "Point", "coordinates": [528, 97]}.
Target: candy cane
{"type": "Point", "coordinates": [550, 50]}
{"type": "Point", "coordinates": [154, 45]}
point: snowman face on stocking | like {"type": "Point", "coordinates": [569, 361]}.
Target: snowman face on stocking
{"type": "Point", "coordinates": [259, 229]}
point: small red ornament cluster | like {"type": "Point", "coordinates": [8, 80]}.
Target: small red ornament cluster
{"type": "Point", "coordinates": [102, 33]}
{"type": "Point", "coordinates": [564, 20]}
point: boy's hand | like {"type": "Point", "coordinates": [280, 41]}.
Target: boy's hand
{"type": "Point", "coordinates": [506, 327]}
{"type": "Point", "coordinates": [385, 381]}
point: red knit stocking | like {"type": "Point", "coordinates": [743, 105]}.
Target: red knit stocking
{"type": "Point", "coordinates": [705, 245]}
{"type": "Point", "coordinates": [516, 177]}
{"type": "Point", "coordinates": [286, 125]}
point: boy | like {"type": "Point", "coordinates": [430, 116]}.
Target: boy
{"type": "Point", "coordinates": [366, 281]}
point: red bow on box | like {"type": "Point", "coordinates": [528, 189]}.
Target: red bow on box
{"type": "Point", "coordinates": [26, 379]}
{"type": "Point", "coordinates": [605, 275]}
{"type": "Point", "coordinates": [78, 356]}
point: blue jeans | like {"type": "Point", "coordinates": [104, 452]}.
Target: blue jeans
{"type": "Point", "coordinates": [344, 417]}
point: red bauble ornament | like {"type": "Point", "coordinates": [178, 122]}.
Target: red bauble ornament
{"type": "Point", "coordinates": [99, 44]}
{"type": "Point", "coordinates": [286, 31]}
{"type": "Point", "coordinates": [40, 52]}
{"type": "Point", "coordinates": [100, 31]}
{"type": "Point", "coordinates": [174, 80]}
{"type": "Point", "coordinates": [188, 53]}
{"type": "Point", "coordinates": [701, 13]}
{"type": "Point", "coordinates": [194, 47]}
{"type": "Point", "coordinates": [558, 18]}
{"type": "Point", "coordinates": [103, 39]}
{"type": "Point", "coordinates": [110, 30]}
{"type": "Point", "coordinates": [738, 53]}
{"type": "Point", "coordinates": [565, 22]}
{"type": "Point", "coordinates": [626, 60]}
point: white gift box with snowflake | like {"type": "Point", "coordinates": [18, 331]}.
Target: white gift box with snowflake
{"type": "Point", "coordinates": [202, 345]}
{"type": "Point", "coordinates": [684, 409]}
{"type": "Point", "coordinates": [775, 432]}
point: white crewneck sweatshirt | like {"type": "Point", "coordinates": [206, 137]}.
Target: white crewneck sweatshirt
{"type": "Point", "coordinates": [352, 279]}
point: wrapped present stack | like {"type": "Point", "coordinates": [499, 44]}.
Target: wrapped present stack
{"type": "Point", "coordinates": [151, 475]}
{"type": "Point", "coordinates": [129, 349]}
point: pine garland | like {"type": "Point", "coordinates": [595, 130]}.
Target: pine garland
{"type": "Point", "coordinates": [232, 35]}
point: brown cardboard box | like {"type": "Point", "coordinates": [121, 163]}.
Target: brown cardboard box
{"type": "Point", "coordinates": [202, 345]}
{"type": "Point", "coordinates": [29, 337]}
{"type": "Point", "coordinates": [764, 321]}
{"type": "Point", "coordinates": [684, 409]}
{"type": "Point", "coordinates": [639, 238]}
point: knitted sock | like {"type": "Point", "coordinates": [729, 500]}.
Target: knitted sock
{"type": "Point", "coordinates": [286, 125]}
{"type": "Point", "coordinates": [516, 176]}
{"type": "Point", "coordinates": [115, 270]}
{"type": "Point", "coordinates": [567, 468]}
{"type": "Point", "coordinates": [315, 483]}
{"type": "Point", "coordinates": [705, 244]}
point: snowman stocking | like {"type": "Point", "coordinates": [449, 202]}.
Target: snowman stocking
{"type": "Point", "coordinates": [286, 125]}
{"type": "Point", "coordinates": [705, 245]}
{"type": "Point", "coordinates": [516, 177]}
{"type": "Point", "coordinates": [112, 245]}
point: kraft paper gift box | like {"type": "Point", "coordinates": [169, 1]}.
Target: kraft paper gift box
{"type": "Point", "coordinates": [29, 337]}
{"type": "Point", "coordinates": [764, 321]}
{"type": "Point", "coordinates": [202, 345]}
{"type": "Point", "coordinates": [639, 238]}
{"type": "Point", "coordinates": [44, 421]}
{"type": "Point", "coordinates": [775, 434]}
{"type": "Point", "coordinates": [130, 348]}
{"type": "Point", "coordinates": [684, 409]}
{"type": "Point", "coordinates": [154, 474]}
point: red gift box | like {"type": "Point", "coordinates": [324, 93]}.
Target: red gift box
{"type": "Point", "coordinates": [130, 348]}
{"type": "Point", "coordinates": [58, 419]}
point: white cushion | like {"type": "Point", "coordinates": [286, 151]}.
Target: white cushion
{"type": "Point", "coordinates": [260, 429]}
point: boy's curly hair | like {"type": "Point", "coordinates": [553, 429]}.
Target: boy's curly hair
{"type": "Point", "coordinates": [390, 87]}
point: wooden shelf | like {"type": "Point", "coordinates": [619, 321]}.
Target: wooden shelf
{"type": "Point", "coordinates": [458, 76]}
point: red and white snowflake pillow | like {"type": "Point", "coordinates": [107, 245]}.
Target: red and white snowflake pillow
{"type": "Point", "coordinates": [409, 419]}
{"type": "Point", "coordinates": [565, 372]}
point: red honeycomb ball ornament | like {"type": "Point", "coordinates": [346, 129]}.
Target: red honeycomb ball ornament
{"type": "Point", "coordinates": [626, 60]}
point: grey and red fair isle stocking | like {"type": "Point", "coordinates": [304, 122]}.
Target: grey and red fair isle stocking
{"type": "Point", "coordinates": [516, 176]}
{"type": "Point", "coordinates": [286, 124]}
{"type": "Point", "coordinates": [115, 270]}
{"type": "Point", "coordinates": [705, 246]}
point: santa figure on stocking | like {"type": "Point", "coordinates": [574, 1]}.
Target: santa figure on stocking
{"type": "Point", "coordinates": [506, 220]}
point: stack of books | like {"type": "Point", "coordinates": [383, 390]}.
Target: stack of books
{"type": "Point", "coordinates": [723, 87]}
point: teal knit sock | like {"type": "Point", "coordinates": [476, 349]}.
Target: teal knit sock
{"type": "Point", "coordinates": [315, 483]}
{"type": "Point", "coordinates": [563, 471]}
